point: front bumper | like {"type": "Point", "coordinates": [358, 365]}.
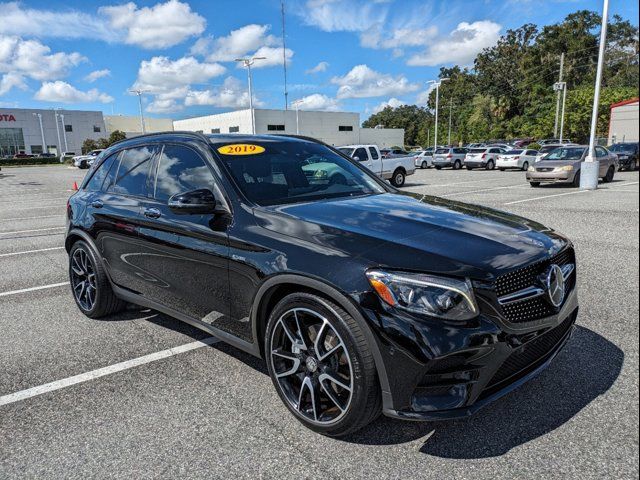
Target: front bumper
{"type": "Point", "coordinates": [550, 177]}
{"type": "Point", "coordinates": [439, 370]}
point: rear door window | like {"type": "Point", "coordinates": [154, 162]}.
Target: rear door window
{"type": "Point", "coordinates": [133, 171]}
{"type": "Point", "coordinates": [180, 169]}
{"type": "Point", "coordinates": [374, 153]}
{"type": "Point", "coordinates": [97, 180]}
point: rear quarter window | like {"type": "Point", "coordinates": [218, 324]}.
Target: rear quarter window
{"type": "Point", "coordinates": [97, 179]}
{"type": "Point", "coordinates": [133, 171]}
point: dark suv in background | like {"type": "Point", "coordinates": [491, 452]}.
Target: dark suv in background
{"type": "Point", "coordinates": [361, 299]}
{"type": "Point", "coordinates": [627, 155]}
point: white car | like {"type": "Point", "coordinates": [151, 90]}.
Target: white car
{"type": "Point", "coordinates": [483, 157]}
{"type": "Point", "coordinates": [85, 161]}
{"type": "Point", "coordinates": [394, 169]}
{"type": "Point", "coordinates": [424, 158]}
{"type": "Point", "coordinates": [520, 159]}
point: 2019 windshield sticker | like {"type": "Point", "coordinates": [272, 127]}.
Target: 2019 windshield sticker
{"type": "Point", "coordinates": [241, 149]}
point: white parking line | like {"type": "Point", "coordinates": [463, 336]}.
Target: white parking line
{"type": "Point", "coordinates": [30, 251]}
{"type": "Point", "coordinates": [520, 185]}
{"type": "Point", "coordinates": [547, 196]}
{"type": "Point", "coordinates": [32, 289]}
{"type": "Point", "coordinates": [60, 215]}
{"type": "Point", "coordinates": [623, 184]}
{"type": "Point", "coordinates": [101, 372]}
{"type": "Point", "coordinates": [32, 230]}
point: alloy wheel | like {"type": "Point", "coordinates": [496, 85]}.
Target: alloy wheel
{"type": "Point", "coordinates": [311, 365]}
{"type": "Point", "coordinates": [83, 279]}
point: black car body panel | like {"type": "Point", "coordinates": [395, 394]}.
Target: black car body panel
{"type": "Point", "coordinates": [221, 273]}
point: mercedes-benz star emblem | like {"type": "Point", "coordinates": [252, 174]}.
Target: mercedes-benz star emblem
{"type": "Point", "coordinates": [555, 285]}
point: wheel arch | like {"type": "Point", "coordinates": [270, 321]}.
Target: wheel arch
{"type": "Point", "coordinates": [277, 287]}
{"type": "Point", "coordinates": [76, 234]}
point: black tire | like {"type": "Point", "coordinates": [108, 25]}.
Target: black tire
{"type": "Point", "coordinates": [525, 166]}
{"type": "Point", "coordinates": [438, 168]}
{"type": "Point", "coordinates": [534, 184]}
{"type": "Point", "coordinates": [491, 165]}
{"type": "Point", "coordinates": [398, 178]}
{"type": "Point", "coordinates": [608, 178]}
{"type": "Point", "coordinates": [502, 169]}
{"type": "Point", "coordinates": [576, 180]}
{"type": "Point", "coordinates": [365, 398]}
{"type": "Point", "coordinates": [457, 165]}
{"type": "Point", "coordinates": [424, 165]}
{"type": "Point", "coordinates": [104, 300]}
{"type": "Point", "coordinates": [469, 168]}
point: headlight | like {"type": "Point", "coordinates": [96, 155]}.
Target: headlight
{"type": "Point", "coordinates": [532, 169]}
{"type": "Point", "coordinates": [566, 168]}
{"type": "Point", "coordinates": [425, 294]}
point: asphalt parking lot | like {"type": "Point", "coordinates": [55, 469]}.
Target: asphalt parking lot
{"type": "Point", "coordinates": [135, 397]}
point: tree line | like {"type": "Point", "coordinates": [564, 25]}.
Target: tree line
{"type": "Point", "coordinates": [102, 143]}
{"type": "Point", "coordinates": [508, 93]}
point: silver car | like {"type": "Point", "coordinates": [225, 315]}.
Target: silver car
{"type": "Point", "coordinates": [424, 158]}
{"type": "Point", "coordinates": [563, 165]}
{"type": "Point", "coordinates": [484, 157]}
{"type": "Point", "coordinates": [449, 157]}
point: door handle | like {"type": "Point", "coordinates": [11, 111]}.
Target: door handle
{"type": "Point", "coordinates": [152, 213]}
{"type": "Point", "coordinates": [97, 204]}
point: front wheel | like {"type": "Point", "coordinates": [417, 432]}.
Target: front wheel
{"type": "Point", "coordinates": [491, 165]}
{"type": "Point", "coordinates": [608, 178]}
{"type": "Point", "coordinates": [502, 169]}
{"type": "Point", "coordinates": [321, 365]}
{"type": "Point", "coordinates": [398, 178]}
{"type": "Point", "coordinates": [576, 180]}
{"type": "Point", "coordinates": [438, 168]}
{"type": "Point", "coordinates": [534, 184]}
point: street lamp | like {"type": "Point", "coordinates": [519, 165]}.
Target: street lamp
{"type": "Point", "coordinates": [435, 135]}
{"type": "Point", "coordinates": [44, 143]}
{"type": "Point", "coordinates": [590, 167]}
{"type": "Point", "coordinates": [64, 130]}
{"type": "Point", "coordinates": [59, 146]}
{"type": "Point", "coordinates": [139, 93]}
{"type": "Point", "coordinates": [297, 104]}
{"type": "Point", "coordinates": [247, 62]}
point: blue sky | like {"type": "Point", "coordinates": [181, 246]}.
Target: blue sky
{"type": "Point", "coordinates": [350, 55]}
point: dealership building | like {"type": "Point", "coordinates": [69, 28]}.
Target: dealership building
{"type": "Point", "coordinates": [624, 121]}
{"type": "Point", "coordinates": [334, 128]}
{"type": "Point", "coordinates": [34, 131]}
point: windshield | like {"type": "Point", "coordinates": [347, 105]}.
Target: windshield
{"type": "Point", "coordinates": [621, 147]}
{"type": "Point", "coordinates": [442, 151]}
{"type": "Point", "coordinates": [547, 149]}
{"type": "Point", "coordinates": [566, 153]}
{"type": "Point", "coordinates": [296, 171]}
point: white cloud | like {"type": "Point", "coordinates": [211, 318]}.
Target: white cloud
{"type": "Point", "coordinates": [392, 102]}
{"type": "Point", "coordinates": [239, 42]}
{"type": "Point", "coordinates": [362, 82]}
{"type": "Point", "coordinates": [379, 37]}
{"type": "Point", "coordinates": [232, 94]}
{"type": "Point", "coordinates": [97, 74]}
{"type": "Point", "coordinates": [60, 91]}
{"type": "Point", "coordinates": [320, 102]}
{"type": "Point", "coordinates": [161, 75]}
{"type": "Point", "coordinates": [342, 15]}
{"type": "Point", "coordinates": [21, 59]}
{"type": "Point", "coordinates": [320, 67]}
{"type": "Point", "coordinates": [20, 20]}
{"type": "Point", "coordinates": [272, 57]}
{"type": "Point", "coordinates": [423, 97]}
{"type": "Point", "coordinates": [461, 46]}
{"type": "Point", "coordinates": [161, 26]}
{"type": "Point", "coordinates": [11, 80]}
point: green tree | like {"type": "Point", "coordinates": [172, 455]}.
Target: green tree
{"type": "Point", "coordinates": [116, 136]}
{"type": "Point", "coordinates": [412, 118]}
{"type": "Point", "coordinates": [88, 145]}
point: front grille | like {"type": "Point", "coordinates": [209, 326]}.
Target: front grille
{"type": "Point", "coordinates": [545, 169]}
{"type": "Point", "coordinates": [532, 353]}
{"type": "Point", "coordinates": [538, 307]}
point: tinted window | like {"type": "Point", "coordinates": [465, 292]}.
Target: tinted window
{"type": "Point", "coordinates": [374, 153]}
{"type": "Point", "coordinates": [600, 152]}
{"type": "Point", "coordinates": [95, 184]}
{"type": "Point", "coordinates": [361, 153]}
{"type": "Point", "coordinates": [566, 153]}
{"type": "Point", "coordinates": [442, 151]}
{"type": "Point", "coordinates": [495, 150]}
{"type": "Point", "coordinates": [180, 170]}
{"type": "Point", "coordinates": [133, 171]}
{"type": "Point", "coordinates": [459, 150]}
{"type": "Point", "coordinates": [515, 152]}
{"type": "Point", "coordinates": [311, 172]}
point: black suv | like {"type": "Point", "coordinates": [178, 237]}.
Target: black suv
{"type": "Point", "coordinates": [627, 155]}
{"type": "Point", "coordinates": [361, 298]}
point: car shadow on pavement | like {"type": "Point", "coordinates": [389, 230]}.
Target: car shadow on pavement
{"type": "Point", "coordinates": [586, 368]}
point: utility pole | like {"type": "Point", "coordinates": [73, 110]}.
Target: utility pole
{"type": "Point", "coordinates": [435, 133]}
{"type": "Point", "coordinates": [450, 110]}
{"type": "Point", "coordinates": [555, 126]}
{"type": "Point", "coordinates": [589, 169]}
{"type": "Point", "coordinates": [296, 104]}
{"type": "Point", "coordinates": [44, 143]}
{"type": "Point", "coordinates": [284, 59]}
{"type": "Point", "coordinates": [139, 93]}
{"type": "Point", "coordinates": [564, 101]}
{"type": "Point", "coordinates": [247, 62]}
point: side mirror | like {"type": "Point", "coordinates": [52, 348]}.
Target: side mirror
{"type": "Point", "coordinates": [356, 158]}
{"type": "Point", "coordinates": [200, 201]}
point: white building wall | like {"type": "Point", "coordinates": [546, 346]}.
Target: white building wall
{"type": "Point", "coordinates": [624, 123]}
{"type": "Point", "coordinates": [324, 126]}
{"type": "Point", "coordinates": [82, 123]}
{"type": "Point", "coordinates": [130, 125]}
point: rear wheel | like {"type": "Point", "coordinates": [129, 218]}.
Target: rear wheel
{"type": "Point", "coordinates": [438, 168]}
{"type": "Point", "coordinates": [608, 178]}
{"type": "Point", "coordinates": [321, 365]}
{"type": "Point", "coordinates": [469, 168]}
{"type": "Point", "coordinates": [457, 165]}
{"type": "Point", "coordinates": [534, 184]}
{"type": "Point", "coordinates": [89, 283]}
{"type": "Point", "coordinates": [502, 169]}
{"type": "Point", "coordinates": [491, 165]}
{"type": "Point", "coordinates": [398, 178]}
{"type": "Point", "coordinates": [424, 165]}
{"type": "Point", "coordinates": [525, 166]}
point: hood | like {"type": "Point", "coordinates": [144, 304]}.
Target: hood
{"type": "Point", "coordinates": [557, 163]}
{"type": "Point", "coordinates": [419, 233]}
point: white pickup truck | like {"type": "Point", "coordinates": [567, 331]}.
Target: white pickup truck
{"type": "Point", "coordinates": [393, 169]}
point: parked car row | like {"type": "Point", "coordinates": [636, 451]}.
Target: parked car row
{"type": "Point", "coordinates": [387, 164]}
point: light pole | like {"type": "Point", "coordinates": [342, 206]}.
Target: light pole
{"type": "Point", "coordinates": [64, 131]}
{"type": "Point", "coordinates": [589, 169]}
{"type": "Point", "coordinates": [563, 85]}
{"type": "Point", "coordinates": [247, 62]}
{"type": "Point", "coordinates": [450, 111]}
{"type": "Point", "coordinates": [139, 93]}
{"type": "Point", "coordinates": [296, 104]}
{"type": "Point", "coordinates": [435, 133]}
{"type": "Point", "coordinates": [44, 143]}
{"type": "Point", "coordinates": [59, 147]}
